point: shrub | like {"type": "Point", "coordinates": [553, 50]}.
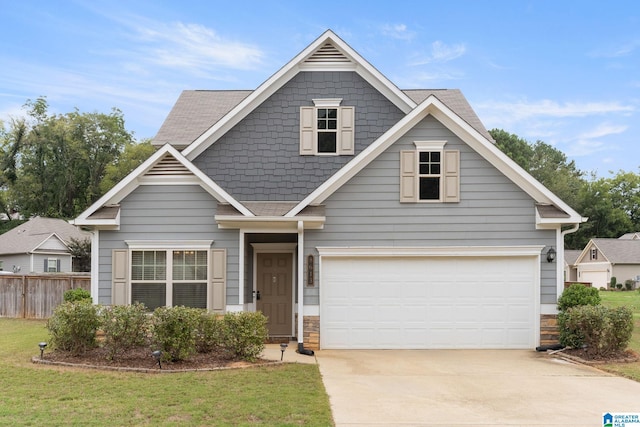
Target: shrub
{"type": "Point", "coordinates": [600, 329]}
{"type": "Point", "coordinates": [613, 282]}
{"type": "Point", "coordinates": [209, 332]}
{"type": "Point", "coordinates": [125, 328]}
{"type": "Point", "coordinates": [628, 284]}
{"type": "Point", "coordinates": [77, 294]}
{"type": "Point", "coordinates": [73, 326]}
{"type": "Point", "coordinates": [244, 334]}
{"type": "Point", "coordinates": [174, 331]}
{"type": "Point", "coordinates": [576, 295]}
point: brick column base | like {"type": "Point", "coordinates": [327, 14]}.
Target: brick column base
{"type": "Point", "coordinates": [549, 333]}
{"type": "Point", "coordinates": [311, 325]}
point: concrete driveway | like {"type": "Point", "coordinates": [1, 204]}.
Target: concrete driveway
{"type": "Point", "coordinates": [469, 388]}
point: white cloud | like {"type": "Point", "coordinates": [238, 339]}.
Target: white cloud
{"type": "Point", "coordinates": [603, 129]}
{"type": "Point", "coordinates": [398, 31]}
{"type": "Point", "coordinates": [441, 52]}
{"type": "Point", "coordinates": [522, 110]}
{"type": "Point", "coordinates": [622, 50]}
{"type": "Point", "coordinates": [193, 48]}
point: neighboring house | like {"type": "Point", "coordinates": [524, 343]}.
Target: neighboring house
{"type": "Point", "coordinates": [570, 268]}
{"type": "Point", "coordinates": [603, 259]}
{"type": "Point", "coordinates": [352, 213]}
{"type": "Point", "coordinates": [630, 236]}
{"type": "Point", "coordinates": [39, 246]}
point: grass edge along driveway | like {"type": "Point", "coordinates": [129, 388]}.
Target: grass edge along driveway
{"type": "Point", "coordinates": [282, 395]}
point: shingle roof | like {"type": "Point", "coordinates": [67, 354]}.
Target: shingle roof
{"type": "Point", "coordinates": [270, 209]}
{"type": "Point", "coordinates": [195, 111]}
{"type": "Point", "coordinates": [619, 251]}
{"type": "Point", "coordinates": [28, 236]}
{"type": "Point", "coordinates": [630, 236]}
{"type": "Point", "coordinates": [571, 256]}
{"type": "Point", "coordinates": [454, 99]}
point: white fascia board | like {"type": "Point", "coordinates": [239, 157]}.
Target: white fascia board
{"type": "Point", "coordinates": [584, 252]}
{"type": "Point", "coordinates": [286, 73]}
{"type": "Point", "coordinates": [500, 160]}
{"type": "Point", "coordinates": [444, 251]}
{"type": "Point", "coordinates": [269, 222]}
{"type": "Point", "coordinates": [169, 244]}
{"type": "Point", "coordinates": [134, 179]}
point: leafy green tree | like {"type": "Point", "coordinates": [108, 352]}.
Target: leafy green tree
{"type": "Point", "coordinates": [54, 165]}
{"type": "Point", "coordinates": [132, 157]}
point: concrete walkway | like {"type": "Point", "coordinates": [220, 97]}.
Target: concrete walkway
{"type": "Point", "coordinates": [469, 388]}
{"type": "Point", "coordinates": [273, 352]}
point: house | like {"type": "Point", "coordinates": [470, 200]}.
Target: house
{"type": "Point", "coordinates": [603, 259]}
{"type": "Point", "coordinates": [570, 268]}
{"type": "Point", "coordinates": [351, 213]}
{"type": "Point", "coordinates": [40, 245]}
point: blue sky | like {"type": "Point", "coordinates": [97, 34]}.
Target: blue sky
{"type": "Point", "coordinates": [564, 72]}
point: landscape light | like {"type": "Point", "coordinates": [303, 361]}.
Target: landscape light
{"type": "Point", "coordinates": [157, 355]}
{"type": "Point", "coordinates": [283, 347]}
{"type": "Point", "coordinates": [42, 346]}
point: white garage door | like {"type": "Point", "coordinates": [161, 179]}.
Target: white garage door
{"type": "Point", "coordinates": [423, 303]}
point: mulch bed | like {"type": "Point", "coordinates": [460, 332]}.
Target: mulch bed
{"type": "Point", "coordinates": [581, 355]}
{"type": "Point", "coordinates": [140, 360]}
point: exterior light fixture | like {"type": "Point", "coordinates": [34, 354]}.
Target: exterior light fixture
{"type": "Point", "coordinates": [42, 346]}
{"type": "Point", "coordinates": [551, 255]}
{"type": "Point", "coordinates": [283, 347]}
{"type": "Point", "coordinates": [158, 356]}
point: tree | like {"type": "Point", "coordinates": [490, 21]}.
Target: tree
{"type": "Point", "coordinates": [60, 158]}
{"type": "Point", "coordinates": [132, 157]}
{"type": "Point", "coordinates": [81, 252]}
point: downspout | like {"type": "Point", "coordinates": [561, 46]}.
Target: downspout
{"type": "Point", "coordinates": [560, 258]}
{"type": "Point", "coordinates": [95, 266]}
{"type": "Point", "coordinates": [301, 348]}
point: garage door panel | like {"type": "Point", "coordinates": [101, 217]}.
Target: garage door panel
{"type": "Point", "coordinates": [428, 302]}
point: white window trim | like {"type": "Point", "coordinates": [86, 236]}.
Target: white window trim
{"type": "Point", "coordinates": [431, 147]}
{"type": "Point", "coordinates": [327, 102]}
{"type": "Point", "coordinates": [168, 247]}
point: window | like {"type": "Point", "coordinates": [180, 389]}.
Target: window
{"type": "Point", "coordinates": [169, 277]}
{"type": "Point", "coordinates": [327, 128]}
{"type": "Point", "coordinates": [594, 254]}
{"type": "Point", "coordinates": [1, 269]}
{"type": "Point", "coordinates": [429, 173]}
{"type": "Point", "coordinates": [52, 265]}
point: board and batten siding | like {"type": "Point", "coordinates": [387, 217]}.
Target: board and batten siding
{"type": "Point", "coordinates": [492, 211]}
{"type": "Point", "coordinates": [168, 212]}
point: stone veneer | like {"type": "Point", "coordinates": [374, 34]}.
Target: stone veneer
{"type": "Point", "coordinates": [549, 333]}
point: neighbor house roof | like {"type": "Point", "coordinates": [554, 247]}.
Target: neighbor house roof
{"type": "Point", "coordinates": [618, 251]}
{"type": "Point", "coordinates": [571, 256]}
{"type": "Point", "coordinates": [27, 237]}
{"type": "Point", "coordinates": [630, 236]}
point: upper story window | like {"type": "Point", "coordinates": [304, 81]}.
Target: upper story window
{"type": "Point", "coordinates": [327, 128]}
{"type": "Point", "coordinates": [429, 173]}
{"type": "Point", "coordinates": [594, 254]}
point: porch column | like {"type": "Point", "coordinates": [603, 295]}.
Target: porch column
{"type": "Point", "coordinates": [300, 281]}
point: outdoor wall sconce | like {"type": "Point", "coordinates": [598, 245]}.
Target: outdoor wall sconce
{"type": "Point", "coordinates": [551, 255]}
{"type": "Point", "coordinates": [283, 347]}
{"type": "Point", "coordinates": [42, 346]}
{"type": "Point", "coordinates": [158, 356]}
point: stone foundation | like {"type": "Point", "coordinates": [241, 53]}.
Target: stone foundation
{"type": "Point", "coordinates": [311, 338]}
{"type": "Point", "coordinates": [549, 333]}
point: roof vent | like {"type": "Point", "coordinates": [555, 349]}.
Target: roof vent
{"type": "Point", "coordinates": [169, 165]}
{"type": "Point", "coordinates": [327, 53]}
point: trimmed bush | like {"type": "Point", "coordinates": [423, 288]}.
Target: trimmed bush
{"type": "Point", "coordinates": [73, 326]}
{"type": "Point", "coordinates": [125, 327]}
{"type": "Point", "coordinates": [601, 330]}
{"type": "Point", "coordinates": [209, 332]}
{"type": "Point", "coordinates": [244, 334]}
{"type": "Point", "coordinates": [174, 331]}
{"type": "Point", "coordinates": [576, 295]}
{"type": "Point", "coordinates": [628, 284]}
{"type": "Point", "coordinates": [77, 294]}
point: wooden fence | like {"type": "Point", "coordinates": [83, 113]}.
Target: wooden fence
{"type": "Point", "coordinates": [36, 296]}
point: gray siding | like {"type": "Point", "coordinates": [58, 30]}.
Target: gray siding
{"type": "Point", "coordinates": [19, 260]}
{"type": "Point", "coordinates": [166, 212]}
{"type": "Point", "coordinates": [259, 158]}
{"type": "Point", "coordinates": [492, 210]}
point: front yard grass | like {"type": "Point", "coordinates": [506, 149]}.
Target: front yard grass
{"type": "Point", "coordinates": [629, 299]}
{"type": "Point", "coordinates": [31, 394]}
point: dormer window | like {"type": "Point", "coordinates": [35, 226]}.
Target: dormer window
{"type": "Point", "coordinates": [327, 128]}
{"type": "Point", "coordinates": [594, 254]}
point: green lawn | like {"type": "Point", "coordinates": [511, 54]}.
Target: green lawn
{"type": "Point", "coordinates": [629, 299]}
{"type": "Point", "coordinates": [31, 394]}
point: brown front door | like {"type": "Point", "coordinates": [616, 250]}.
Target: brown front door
{"type": "Point", "coordinates": [275, 287]}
